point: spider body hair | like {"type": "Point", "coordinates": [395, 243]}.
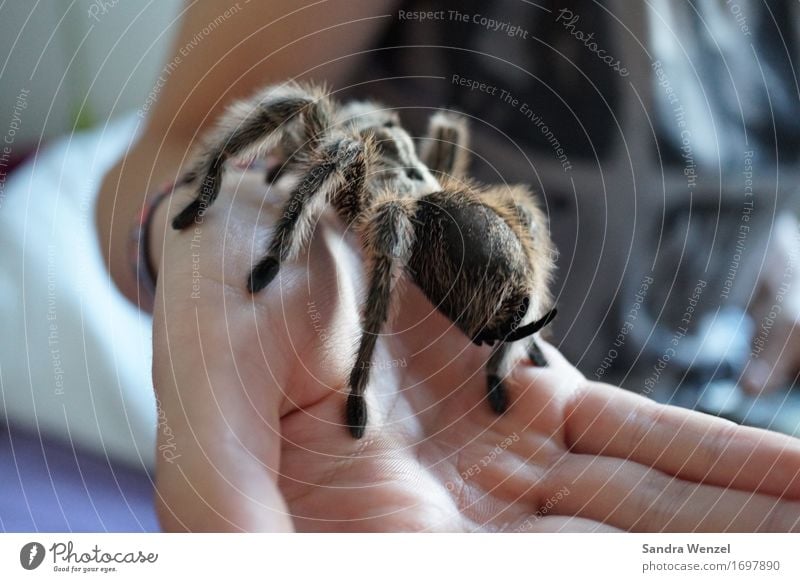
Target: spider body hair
{"type": "Point", "coordinates": [479, 261]}
{"type": "Point", "coordinates": [482, 255]}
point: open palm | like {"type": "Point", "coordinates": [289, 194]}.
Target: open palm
{"type": "Point", "coordinates": [252, 391]}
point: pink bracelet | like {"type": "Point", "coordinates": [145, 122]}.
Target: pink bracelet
{"type": "Point", "coordinates": [139, 250]}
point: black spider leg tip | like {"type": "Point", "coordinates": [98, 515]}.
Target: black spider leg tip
{"type": "Point", "coordinates": [188, 215]}
{"type": "Point", "coordinates": [274, 172]}
{"type": "Point", "coordinates": [197, 207]}
{"type": "Point", "coordinates": [536, 355]}
{"type": "Point", "coordinates": [497, 395]}
{"type": "Point", "coordinates": [262, 274]}
{"type": "Point", "coordinates": [531, 328]}
{"type": "Point", "coordinates": [356, 414]}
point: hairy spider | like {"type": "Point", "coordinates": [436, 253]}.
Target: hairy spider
{"type": "Point", "coordinates": [482, 255]}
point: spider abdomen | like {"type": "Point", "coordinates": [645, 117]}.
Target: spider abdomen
{"type": "Point", "coordinates": [470, 263]}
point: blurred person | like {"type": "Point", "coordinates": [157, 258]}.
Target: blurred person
{"type": "Point", "coordinates": [251, 399]}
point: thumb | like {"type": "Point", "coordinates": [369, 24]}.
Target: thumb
{"type": "Point", "coordinates": [218, 430]}
{"type": "Point", "coordinates": [778, 357]}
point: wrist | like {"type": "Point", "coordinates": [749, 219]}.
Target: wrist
{"type": "Point", "coordinates": [156, 235]}
{"type": "Point", "coordinates": [147, 246]}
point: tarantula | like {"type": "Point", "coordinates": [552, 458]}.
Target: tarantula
{"type": "Point", "coordinates": [482, 255]}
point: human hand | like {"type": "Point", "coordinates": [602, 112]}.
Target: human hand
{"type": "Point", "coordinates": [252, 403]}
{"type": "Point", "coordinates": [775, 349]}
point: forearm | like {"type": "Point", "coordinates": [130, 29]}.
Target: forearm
{"type": "Point", "coordinates": [125, 191]}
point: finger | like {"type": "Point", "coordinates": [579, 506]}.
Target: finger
{"type": "Point", "coordinates": [776, 314]}
{"type": "Point", "coordinates": [756, 377]}
{"type": "Point", "coordinates": [631, 496]}
{"type": "Point", "coordinates": [777, 363]}
{"type": "Point", "coordinates": [540, 394]}
{"type": "Point", "coordinates": [219, 441]}
{"type": "Point", "coordinates": [604, 420]}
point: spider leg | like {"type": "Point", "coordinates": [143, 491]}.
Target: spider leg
{"type": "Point", "coordinates": [446, 150]}
{"type": "Point", "coordinates": [253, 125]}
{"type": "Point", "coordinates": [341, 167]}
{"type": "Point", "coordinates": [497, 393]}
{"type": "Point", "coordinates": [388, 240]}
{"type": "Point", "coordinates": [498, 367]}
{"type": "Point", "coordinates": [535, 354]}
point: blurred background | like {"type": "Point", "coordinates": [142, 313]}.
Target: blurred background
{"type": "Point", "coordinates": [79, 419]}
{"type": "Point", "coordinates": [83, 62]}
{"type": "Point", "coordinates": [663, 137]}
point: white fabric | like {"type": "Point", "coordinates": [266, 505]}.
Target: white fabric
{"type": "Point", "coordinates": [75, 355]}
